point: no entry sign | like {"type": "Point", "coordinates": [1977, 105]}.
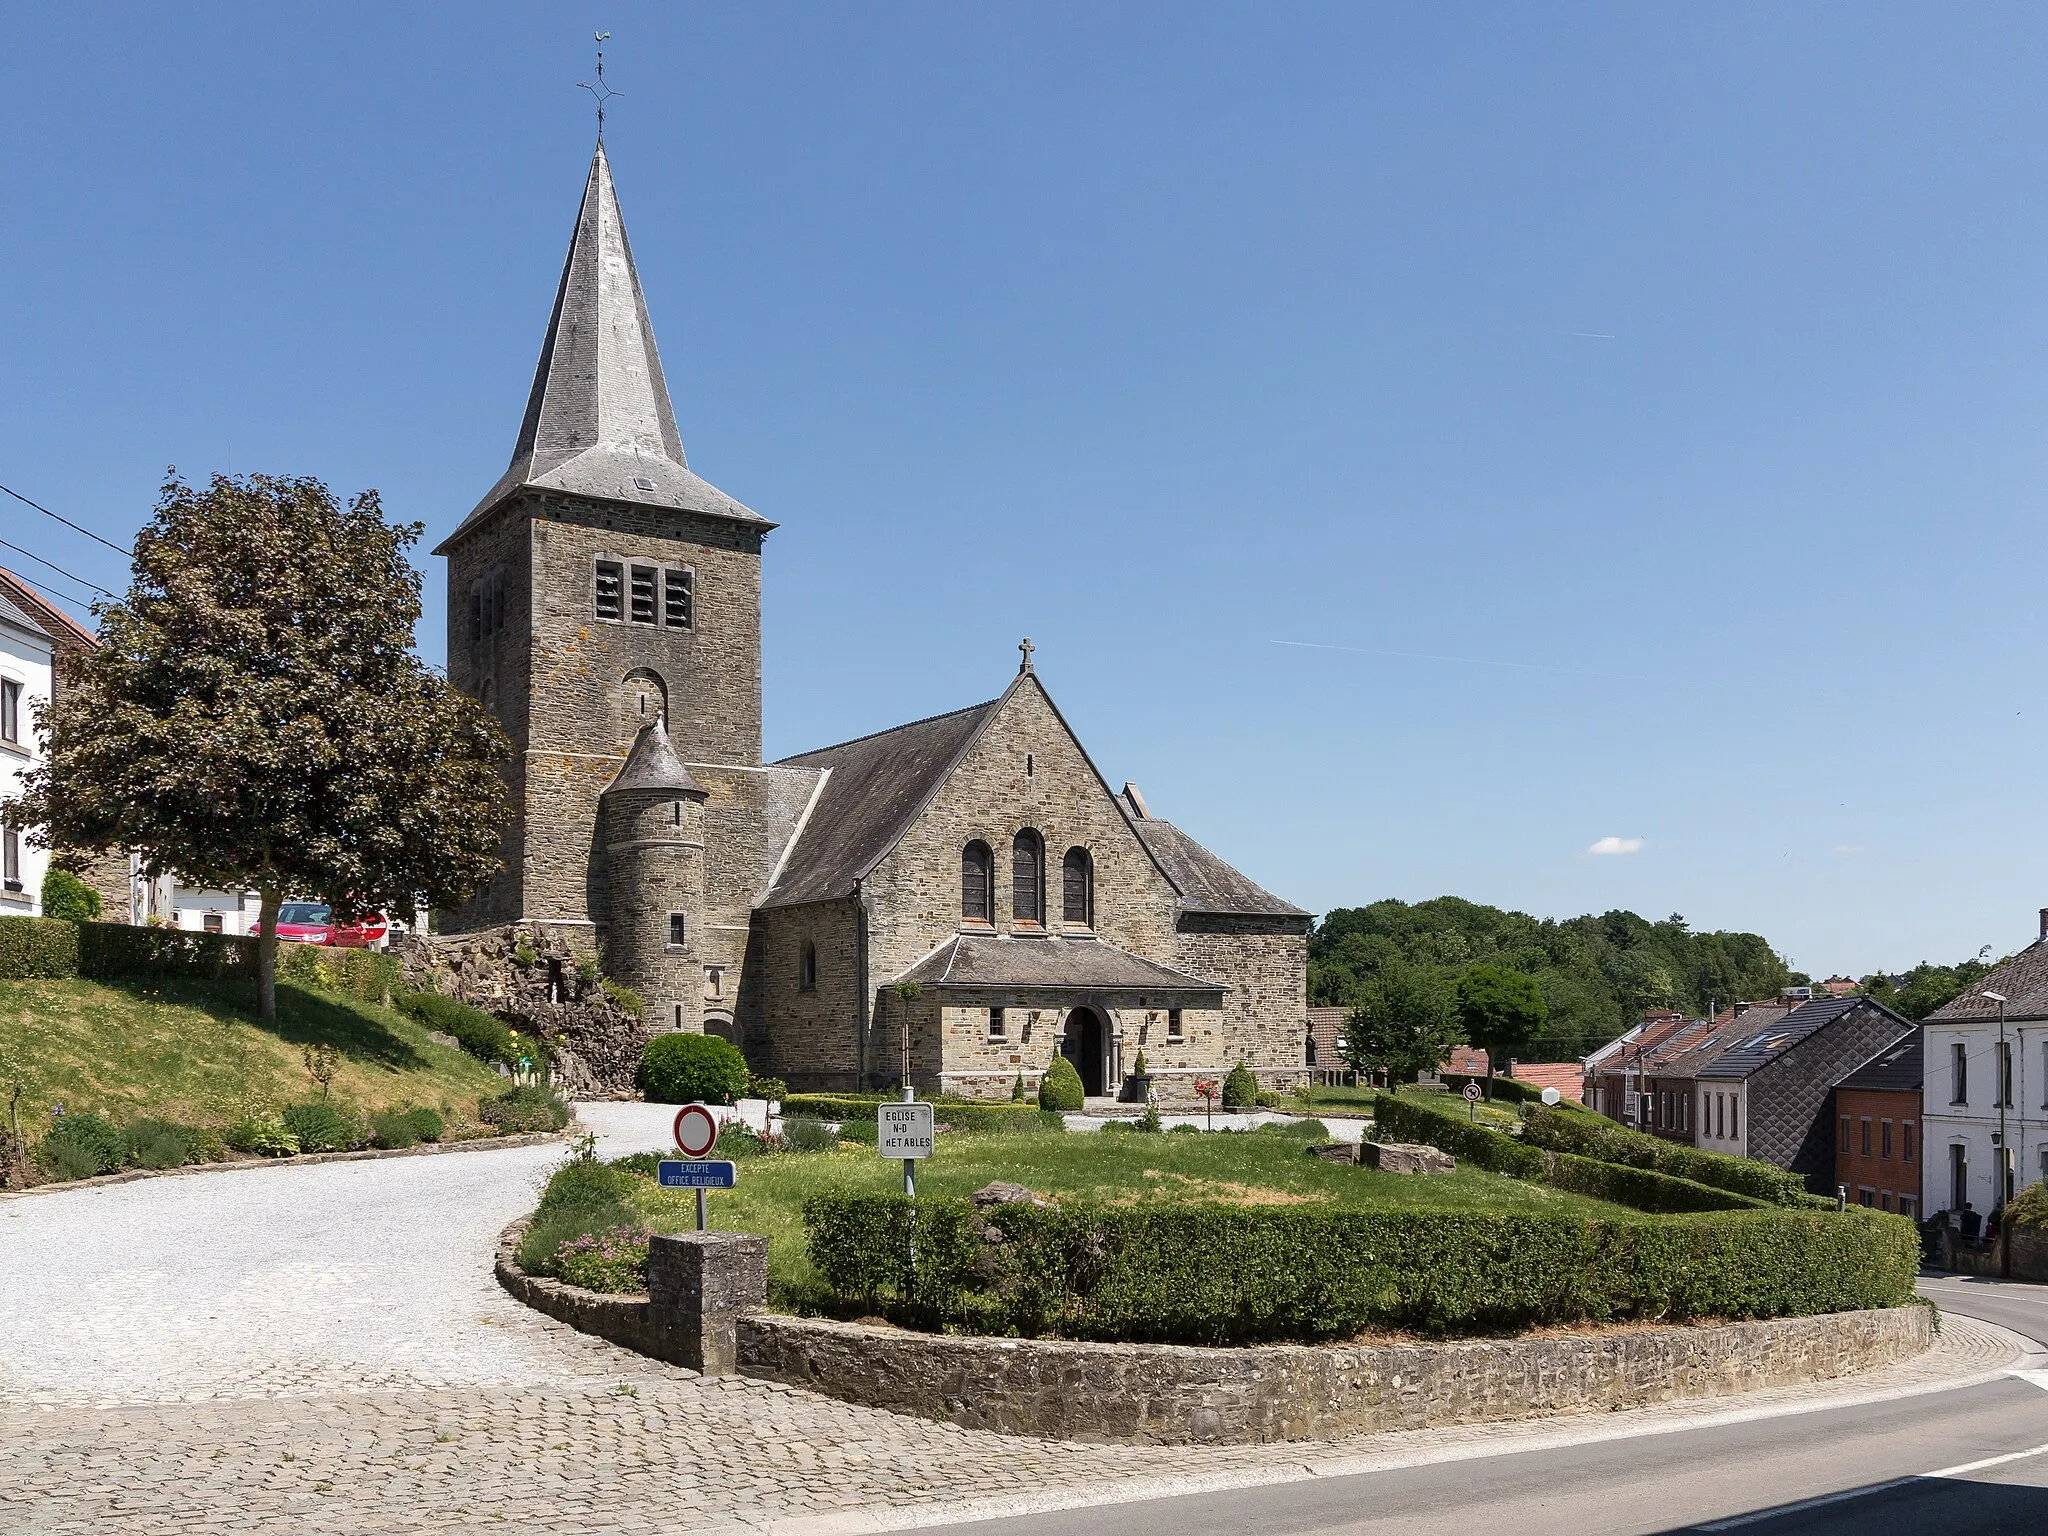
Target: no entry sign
{"type": "Point", "coordinates": [696, 1130]}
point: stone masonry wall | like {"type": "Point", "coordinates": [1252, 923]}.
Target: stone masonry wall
{"type": "Point", "coordinates": [1264, 962]}
{"type": "Point", "coordinates": [810, 1039]}
{"type": "Point", "coordinates": [1152, 1394]}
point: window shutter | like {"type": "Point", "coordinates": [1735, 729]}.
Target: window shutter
{"type": "Point", "coordinates": [610, 576]}
{"type": "Point", "coordinates": [677, 594]}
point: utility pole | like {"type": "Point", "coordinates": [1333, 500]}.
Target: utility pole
{"type": "Point", "coordinates": [2004, 1152]}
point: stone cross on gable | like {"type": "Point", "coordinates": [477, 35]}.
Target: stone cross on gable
{"type": "Point", "coordinates": [1027, 648]}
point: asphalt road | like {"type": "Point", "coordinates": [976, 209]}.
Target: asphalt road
{"type": "Point", "coordinates": [1969, 1460]}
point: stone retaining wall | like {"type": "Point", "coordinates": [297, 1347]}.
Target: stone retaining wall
{"type": "Point", "coordinates": [1160, 1394]}
{"type": "Point", "coordinates": [1148, 1394]}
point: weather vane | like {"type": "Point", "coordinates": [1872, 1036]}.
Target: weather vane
{"type": "Point", "coordinates": [597, 87]}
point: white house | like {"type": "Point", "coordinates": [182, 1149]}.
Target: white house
{"type": "Point", "coordinates": [184, 906]}
{"type": "Point", "coordinates": [1984, 1099]}
{"type": "Point", "coordinates": [26, 650]}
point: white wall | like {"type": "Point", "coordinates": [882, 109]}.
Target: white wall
{"type": "Point", "coordinates": [1973, 1123]}
{"type": "Point", "coordinates": [1731, 1122]}
{"type": "Point", "coordinates": [25, 659]}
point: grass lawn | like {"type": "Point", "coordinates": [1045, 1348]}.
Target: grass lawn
{"type": "Point", "coordinates": [1253, 1168]}
{"type": "Point", "coordinates": [193, 1051]}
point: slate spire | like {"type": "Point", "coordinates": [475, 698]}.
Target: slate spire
{"type": "Point", "coordinates": [598, 421]}
{"type": "Point", "coordinates": [653, 766]}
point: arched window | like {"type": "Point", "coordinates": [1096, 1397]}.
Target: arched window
{"type": "Point", "coordinates": [1027, 875]}
{"type": "Point", "coordinates": [807, 968]}
{"type": "Point", "coordinates": [977, 883]}
{"type": "Point", "coordinates": [1077, 888]}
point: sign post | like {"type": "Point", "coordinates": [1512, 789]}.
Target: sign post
{"type": "Point", "coordinates": [1472, 1098]}
{"type": "Point", "coordinates": [696, 1134]}
{"type": "Point", "coordinates": [906, 1130]}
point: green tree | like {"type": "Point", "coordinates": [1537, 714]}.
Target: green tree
{"type": "Point", "coordinates": [68, 897]}
{"type": "Point", "coordinates": [255, 715]}
{"type": "Point", "coordinates": [1402, 1025]}
{"type": "Point", "coordinates": [1500, 1010]}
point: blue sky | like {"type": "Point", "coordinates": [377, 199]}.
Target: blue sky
{"type": "Point", "coordinates": [1422, 441]}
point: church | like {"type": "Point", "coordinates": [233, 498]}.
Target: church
{"type": "Point", "coordinates": [949, 902]}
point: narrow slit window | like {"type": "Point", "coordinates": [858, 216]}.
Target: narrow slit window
{"type": "Point", "coordinates": [10, 856]}
{"type": "Point", "coordinates": [643, 594]}
{"type": "Point", "coordinates": [998, 1025]}
{"type": "Point", "coordinates": [807, 968]}
{"type": "Point", "coordinates": [678, 930]}
{"type": "Point", "coordinates": [1173, 1024]}
{"type": "Point", "coordinates": [1077, 888]}
{"type": "Point", "coordinates": [1027, 882]}
{"type": "Point", "coordinates": [611, 578]}
{"type": "Point", "coordinates": [678, 607]}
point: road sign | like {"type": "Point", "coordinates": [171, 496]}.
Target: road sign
{"type": "Point", "coordinates": [1471, 1093]}
{"type": "Point", "coordinates": [696, 1175]}
{"type": "Point", "coordinates": [696, 1130]}
{"type": "Point", "coordinates": [1551, 1095]}
{"type": "Point", "coordinates": [905, 1130]}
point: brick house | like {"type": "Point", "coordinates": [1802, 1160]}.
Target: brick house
{"type": "Point", "coordinates": [1877, 1129]}
{"type": "Point", "coordinates": [950, 901]}
{"type": "Point", "coordinates": [1670, 1075]}
{"type": "Point", "coordinates": [1767, 1095]}
{"type": "Point", "coordinates": [1613, 1074]}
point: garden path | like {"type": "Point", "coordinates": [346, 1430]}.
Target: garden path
{"type": "Point", "coordinates": [324, 1349]}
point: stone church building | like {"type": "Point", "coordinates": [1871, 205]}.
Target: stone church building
{"type": "Point", "coordinates": [955, 899]}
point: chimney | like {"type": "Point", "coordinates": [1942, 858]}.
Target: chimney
{"type": "Point", "coordinates": [2044, 922]}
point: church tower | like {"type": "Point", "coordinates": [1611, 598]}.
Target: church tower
{"type": "Point", "coordinates": [653, 827]}
{"type": "Point", "coordinates": [600, 589]}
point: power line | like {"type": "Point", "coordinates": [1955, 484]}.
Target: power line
{"type": "Point", "coordinates": [117, 549]}
{"type": "Point", "coordinates": [49, 565]}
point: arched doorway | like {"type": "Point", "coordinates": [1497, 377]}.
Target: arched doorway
{"type": "Point", "coordinates": [1086, 1046]}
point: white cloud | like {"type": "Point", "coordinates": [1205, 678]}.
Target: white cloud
{"type": "Point", "coordinates": [1617, 845]}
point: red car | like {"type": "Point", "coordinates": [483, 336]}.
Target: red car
{"type": "Point", "coordinates": [312, 922]}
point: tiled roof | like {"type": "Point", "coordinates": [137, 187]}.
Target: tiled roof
{"type": "Point", "coordinates": [1055, 965]}
{"type": "Point", "coordinates": [14, 615]}
{"type": "Point", "coordinates": [1565, 1076]}
{"type": "Point", "coordinates": [1205, 882]}
{"type": "Point", "coordinates": [67, 632]}
{"type": "Point", "coordinates": [1896, 1068]}
{"type": "Point", "coordinates": [2023, 980]}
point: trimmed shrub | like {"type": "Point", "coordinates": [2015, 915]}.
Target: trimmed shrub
{"type": "Point", "coordinates": [1405, 1120]}
{"type": "Point", "coordinates": [692, 1069]}
{"type": "Point", "coordinates": [474, 1030]}
{"type": "Point", "coordinates": [319, 1127]}
{"type": "Point", "coordinates": [773, 1089]}
{"type": "Point", "coordinates": [426, 1123]}
{"type": "Point", "coordinates": [156, 1143]}
{"type": "Point", "coordinates": [37, 949]}
{"type": "Point", "coordinates": [1018, 1092]}
{"type": "Point", "coordinates": [1597, 1137]}
{"type": "Point", "coordinates": [1060, 1089]}
{"type": "Point", "coordinates": [393, 1130]}
{"type": "Point", "coordinates": [1210, 1274]}
{"type": "Point", "coordinates": [69, 898]}
{"type": "Point", "coordinates": [1240, 1088]}
{"type": "Point", "coordinates": [1506, 1090]}
{"type": "Point", "coordinates": [82, 1146]}
{"type": "Point", "coordinates": [528, 1107]}
{"type": "Point", "coordinates": [1639, 1188]}
{"type": "Point", "coordinates": [866, 1132]}
{"type": "Point", "coordinates": [108, 951]}
{"type": "Point", "coordinates": [263, 1134]}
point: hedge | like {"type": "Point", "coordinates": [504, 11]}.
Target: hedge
{"type": "Point", "coordinates": [367, 974]}
{"type": "Point", "coordinates": [1601, 1138]}
{"type": "Point", "coordinates": [37, 948]}
{"type": "Point", "coordinates": [1211, 1274]}
{"type": "Point", "coordinates": [955, 1114]}
{"type": "Point", "coordinates": [473, 1029]}
{"type": "Point", "coordinates": [1640, 1189]}
{"type": "Point", "coordinates": [1508, 1090]}
{"type": "Point", "coordinates": [110, 950]}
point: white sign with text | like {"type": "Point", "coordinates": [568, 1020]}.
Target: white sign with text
{"type": "Point", "coordinates": [905, 1130]}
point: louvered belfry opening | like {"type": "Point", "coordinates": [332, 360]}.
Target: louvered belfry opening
{"type": "Point", "coordinates": [1027, 866]}
{"type": "Point", "coordinates": [1077, 889]}
{"type": "Point", "coordinates": [977, 868]}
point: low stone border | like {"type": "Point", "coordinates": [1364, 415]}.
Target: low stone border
{"type": "Point", "coordinates": [1169, 1394]}
{"type": "Point", "coordinates": [298, 1160]}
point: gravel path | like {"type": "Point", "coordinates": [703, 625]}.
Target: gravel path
{"type": "Point", "coordinates": [324, 1349]}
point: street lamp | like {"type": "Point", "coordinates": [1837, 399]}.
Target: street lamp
{"type": "Point", "coordinates": [2004, 1152]}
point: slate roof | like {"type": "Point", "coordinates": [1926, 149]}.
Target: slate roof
{"type": "Point", "coordinates": [14, 615]}
{"type": "Point", "coordinates": [2024, 981]}
{"type": "Point", "coordinates": [1053, 964]}
{"type": "Point", "coordinates": [1895, 1069]}
{"type": "Point", "coordinates": [1757, 1046]}
{"type": "Point", "coordinates": [653, 765]}
{"type": "Point", "coordinates": [873, 790]}
{"type": "Point", "coordinates": [1205, 882]}
{"type": "Point", "coordinates": [598, 420]}
{"type": "Point", "coordinates": [67, 632]}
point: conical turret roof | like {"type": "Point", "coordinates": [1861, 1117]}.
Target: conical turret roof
{"type": "Point", "coordinates": [654, 767]}
{"type": "Point", "coordinates": [598, 422]}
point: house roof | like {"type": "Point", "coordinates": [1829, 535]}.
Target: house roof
{"type": "Point", "coordinates": [1205, 882]}
{"type": "Point", "coordinates": [1565, 1076]}
{"type": "Point", "coordinates": [2023, 980]}
{"type": "Point", "coordinates": [874, 788]}
{"type": "Point", "coordinates": [23, 598]}
{"type": "Point", "coordinates": [1063, 966]}
{"type": "Point", "coordinates": [1622, 1053]}
{"type": "Point", "coordinates": [598, 420]}
{"type": "Point", "coordinates": [1758, 1045]}
{"type": "Point", "coordinates": [11, 613]}
{"type": "Point", "coordinates": [1896, 1068]}
{"type": "Point", "coordinates": [653, 766]}
{"type": "Point", "coordinates": [1690, 1048]}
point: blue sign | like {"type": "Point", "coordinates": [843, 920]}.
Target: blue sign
{"type": "Point", "coordinates": [718, 1175]}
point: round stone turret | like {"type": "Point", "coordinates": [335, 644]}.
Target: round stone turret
{"type": "Point", "coordinates": [653, 822]}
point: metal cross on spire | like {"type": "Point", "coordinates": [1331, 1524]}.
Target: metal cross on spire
{"type": "Point", "coordinates": [598, 88]}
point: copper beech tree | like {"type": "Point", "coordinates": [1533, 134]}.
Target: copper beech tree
{"type": "Point", "coordinates": [255, 716]}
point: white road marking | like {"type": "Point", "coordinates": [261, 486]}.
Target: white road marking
{"type": "Point", "coordinates": [2038, 1378]}
{"type": "Point", "coordinates": [1988, 1461]}
{"type": "Point", "coordinates": [1964, 1469]}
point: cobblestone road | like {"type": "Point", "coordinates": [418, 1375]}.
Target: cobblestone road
{"type": "Point", "coordinates": [323, 1349]}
